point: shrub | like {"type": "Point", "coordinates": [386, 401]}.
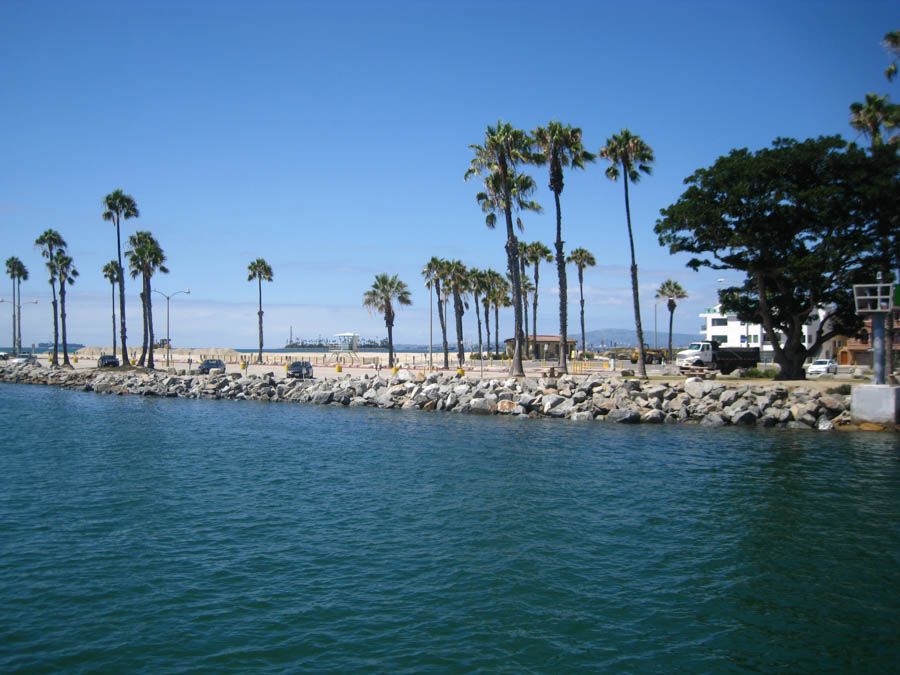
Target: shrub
{"type": "Point", "coordinates": [843, 390]}
{"type": "Point", "coordinates": [757, 374]}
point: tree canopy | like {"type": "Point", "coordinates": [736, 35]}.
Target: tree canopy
{"type": "Point", "coordinates": [804, 220]}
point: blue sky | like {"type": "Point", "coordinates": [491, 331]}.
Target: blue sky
{"type": "Point", "coordinates": [331, 139]}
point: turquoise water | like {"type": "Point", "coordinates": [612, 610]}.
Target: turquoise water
{"type": "Point", "coordinates": [147, 535]}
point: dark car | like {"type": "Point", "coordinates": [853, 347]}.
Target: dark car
{"type": "Point", "coordinates": [301, 369]}
{"type": "Point", "coordinates": [107, 361]}
{"type": "Point", "coordinates": [209, 364]}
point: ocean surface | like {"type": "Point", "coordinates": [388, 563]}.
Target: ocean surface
{"type": "Point", "coordinates": [161, 535]}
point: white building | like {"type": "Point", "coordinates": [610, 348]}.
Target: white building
{"type": "Point", "coordinates": [727, 330]}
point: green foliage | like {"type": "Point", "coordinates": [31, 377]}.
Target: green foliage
{"type": "Point", "coordinates": [804, 221]}
{"type": "Point", "coordinates": [840, 390]}
{"type": "Point", "coordinates": [757, 374]}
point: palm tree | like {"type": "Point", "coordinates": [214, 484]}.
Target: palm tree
{"type": "Point", "coordinates": [673, 291]}
{"type": "Point", "coordinates": [381, 297]}
{"type": "Point", "coordinates": [523, 261]}
{"type": "Point", "coordinates": [458, 280]}
{"type": "Point", "coordinates": [505, 190]}
{"type": "Point", "coordinates": [561, 146]}
{"type": "Point", "coordinates": [536, 253]}
{"type": "Point", "coordinates": [21, 275]}
{"type": "Point", "coordinates": [892, 44]}
{"type": "Point", "coordinates": [145, 258]}
{"type": "Point", "coordinates": [527, 289]}
{"type": "Point", "coordinates": [499, 298]}
{"type": "Point", "coordinates": [582, 258]}
{"type": "Point", "coordinates": [111, 272]}
{"type": "Point", "coordinates": [478, 284]}
{"type": "Point", "coordinates": [118, 206]}
{"type": "Point", "coordinates": [12, 264]}
{"type": "Point", "coordinates": [876, 113]}
{"type": "Point", "coordinates": [66, 273]}
{"type": "Point", "coordinates": [630, 155]}
{"type": "Point", "coordinates": [434, 275]}
{"type": "Point", "coordinates": [50, 241]}
{"type": "Point", "coordinates": [260, 270]}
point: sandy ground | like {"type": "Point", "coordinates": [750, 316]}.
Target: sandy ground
{"type": "Point", "coordinates": [323, 367]}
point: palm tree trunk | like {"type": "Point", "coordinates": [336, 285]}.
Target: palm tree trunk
{"type": "Point", "coordinates": [487, 326]}
{"type": "Point", "coordinates": [671, 317]}
{"type": "Point", "coordinates": [62, 320]}
{"type": "Point", "coordinates": [458, 310]}
{"type": "Point", "coordinates": [389, 323]}
{"type": "Point", "coordinates": [125, 360]}
{"type": "Point", "coordinates": [534, 348]}
{"type": "Point", "coordinates": [13, 279]}
{"type": "Point", "coordinates": [149, 324]}
{"type": "Point", "coordinates": [524, 306]}
{"type": "Point", "coordinates": [55, 360]}
{"type": "Point", "coordinates": [642, 367]}
{"type": "Point", "coordinates": [143, 360]}
{"type": "Point", "coordinates": [478, 318]}
{"type": "Point", "coordinates": [113, 287]}
{"type": "Point", "coordinates": [18, 346]}
{"type": "Point", "coordinates": [260, 314]}
{"type": "Point", "coordinates": [497, 326]}
{"type": "Point", "coordinates": [581, 295]}
{"type": "Point", "coordinates": [563, 290]}
{"type": "Point", "coordinates": [442, 316]}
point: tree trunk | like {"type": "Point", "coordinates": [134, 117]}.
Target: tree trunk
{"type": "Point", "coordinates": [642, 367]}
{"type": "Point", "coordinates": [260, 315]}
{"type": "Point", "coordinates": [497, 328]}
{"type": "Point", "coordinates": [150, 363]}
{"type": "Point", "coordinates": [671, 317]}
{"type": "Point", "coordinates": [13, 314]}
{"type": "Point", "coordinates": [121, 270]}
{"type": "Point", "coordinates": [18, 346]}
{"type": "Point", "coordinates": [534, 344]}
{"type": "Point", "coordinates": [62, 320]}
{"type": "Point", "coordinates": [524, 305]}
{"type": "Point", "coordinates": [581, 295]}
{"type": "Point", "coordinates": [478, 318]}
{"type": "Point", "coordinates": [442, 317]}
{"type": "Point", "coordinates": [143, 360]}
{"type": "Point", "coordinates": [563, 291]}
{"type": "Point", "coordinates": [487, 326]}
{"type": "Point", "coordinates": [458, 310]}
{"type": "Point", "coordinates": [389, 323]}
{"type": "Point", "coordinates": [55, 360]}
{"type": "Point", "coordinates": [113, 286]}
{"type": "Point", "coordinates": [516, 369]}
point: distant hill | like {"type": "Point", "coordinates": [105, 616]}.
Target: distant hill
{"type": "Point", "coordinates": [627, 337]}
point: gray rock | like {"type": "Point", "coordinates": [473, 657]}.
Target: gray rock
{"type": "Point", "coordinates": [481, 406]}
{"type": "Point", "coordinates": [550, 401]}
{"type": "Point", "coordinates": [561, 410]}
{"type": "Point", "coordinates": [653, 417]}
{"type": "Point", "coordinates": [693, 387]}
{"type": "Point", "coordinates": [713, 420]}
{"type": "Point", "coordinates": [744, 418]}
{"type": "Point", "coordinates": [582, 417]}
{"type": "Point", "coordinates": [624, 416]}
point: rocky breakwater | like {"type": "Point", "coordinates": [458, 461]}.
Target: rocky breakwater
{"type": "Point", "coordinates": [592, 398]}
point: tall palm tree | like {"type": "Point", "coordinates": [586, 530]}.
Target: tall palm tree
{"type": "Point", "coordinates": [527, 289]}
{"type": "Point", "coordinates": [499, 298]}
{"type": "Point", "coordinates": [381, 297]}
{"type": "Point", "coordinates": [434, 275]}
{"type": "Point", "coordinates": [111, 273]}
{"type": "Point", "coordinates": [560, 146]}
{"type": "Point", "coordinates": [489, 277]}
{"type": "Point", "coordinates": [673, 291]}
{"type": "Point", "coordinates": [505, 190]}
{"type": "Point", "coordinates": [582, 258]}
{"type": "Point", "coordinates": [260, 270]}
{"type": "Point", "coordinates": [536, 253]}
{"type": "Point", "coordinates": [630, 155]}
{"type": "Point", "coordinates": [11, 269]}
{"type": "Point", "coordinates": [50, 241]}
{"type": "Point", "coordinates": [875, 114]}
{"type": "Point", "coordinates": [478, 284]}
{"type": "Point", "coordinates": [120, 206]}
{"type": "Point", "coordinates": [66, 273]}
{"type": "Point", "coordinates": [458, 280]}
{"type": "Point", "coordinates": [892, 44]}
{"type": "Point", "coordinates": [21, 275]}
{"type": "Point", "coordinates": [146, 258]}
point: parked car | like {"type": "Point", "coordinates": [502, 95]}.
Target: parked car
{"type": "Point", "coordinates": [301, 369]}
{"type": "Point", "coordinates": [822, 367]}
{"type": "Point", "coordinates": [209, 364]}
{"type": "Point", "coordinates": [3, 356]}
{"type": "Point", "coordinates": [24, 358]}
{"type": "Point", "coordinates": [107, 361]}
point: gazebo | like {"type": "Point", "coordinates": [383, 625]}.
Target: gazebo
{"type": "Point", "coordinates": [547, 346]}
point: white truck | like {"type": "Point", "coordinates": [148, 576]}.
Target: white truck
{"type": "Point", "coordinates": [709, 354]}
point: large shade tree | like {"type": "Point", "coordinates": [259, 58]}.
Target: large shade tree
{"type": "Point", "coordinates": [802, 221]}
{"type": "Point", "coordinates": [111, 274]}
{"type": "Point", "coordinates": [506, 190]}
{"type": "Point", "coordinates": [536, 253]}
{"type": "Point", "coordinates": [672, 291]}
{"type": "Point", "coordinates": [66, 273]}
{"type": "Point", "coordinates": [51, 241]}
{"type": "Point", "coordinates": [260, 270]}
{"type": "Point", "coordinates": [386, 292]}
{"type": "Point", "coordinates": [581, 258]}
{"type": "Point", "coordinates": [434, 273]}
{"type": "Point", "coordinates": [145, 258]}
{"type": "Point", "coordinates": [629, 156]}
{"type": "Point", "coordinates": [120, 206]}
{"type": "Point", "coordinates": [560, 147]}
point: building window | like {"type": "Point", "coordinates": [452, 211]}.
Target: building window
{"type": "Point", "coordinates": [754, 339]}
{"type": "Point", "coordinates": [720, 322]}
{"type": "Point", "coordinates": [720, 338]}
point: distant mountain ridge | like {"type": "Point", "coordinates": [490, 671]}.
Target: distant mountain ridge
{"type": "Point", "coordinates": [627, 337]}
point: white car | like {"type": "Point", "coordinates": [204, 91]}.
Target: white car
{"type": "Point", "coordinates": [822, 367]}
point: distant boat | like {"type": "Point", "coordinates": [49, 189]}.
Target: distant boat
{"type": "Point", "coordinates": [48, 346]}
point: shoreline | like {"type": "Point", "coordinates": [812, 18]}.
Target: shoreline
{"type": "Point", "coordinates": [600, 398]}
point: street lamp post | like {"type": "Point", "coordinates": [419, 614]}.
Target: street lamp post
{"type": "Point", "coordinates": [168, 339]}
{"type": "Point", "coordinates": [17, 347]}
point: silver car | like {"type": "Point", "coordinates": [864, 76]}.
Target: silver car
{"type": "Point", "coordinates": [822, 367]}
